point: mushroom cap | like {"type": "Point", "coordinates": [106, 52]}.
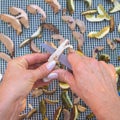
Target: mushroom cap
{"type": "Point", "coordinates": [14, 22]}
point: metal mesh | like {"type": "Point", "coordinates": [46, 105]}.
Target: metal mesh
{"type": "Point", "coordinates": [64, 30]}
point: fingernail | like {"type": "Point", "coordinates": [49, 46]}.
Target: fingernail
{"type": "Point", "coordinates": [51, 65]}
{"type": "Point", "coordinates": [50, 77]}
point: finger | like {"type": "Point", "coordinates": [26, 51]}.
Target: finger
{"type": "Point", "coordinates": [31, 59]}
{"type": "Point", "coordinates": [34, 66]}
{"type": "Point", "coordinates": [43, 70]}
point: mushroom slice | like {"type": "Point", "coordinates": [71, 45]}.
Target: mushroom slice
{"type": "Point", "coordinates": [66, 114]}
{"type": "Point", "coordinates": [22, 116]}
{"type": "Point", "coordinates": [88, 12]}
{"type": "Point", "coordinates": [70, 6]}
{"type": "Point", "coordinates": [102, 11]}
{"type": "Point", "coordinates": [100, 34]}
{"type": "Point", "coordinates": [54, 5]}
{"type": "Point", "coordinates": [112, 24]}
{"type": "Point", "coordinates": [50, 27]}
{"type": "Point", "coordinates": [76, 100]}
{"type": "Point", "coordinates": [117, 40]}
{"type": "Point", "coordinates": [37, 92]}
{"type": "Point", "coordinates": [74, 113]}
{"type": "Point", "coordinates": [33, 9]}
{"type": "Point", "coordinates": [52, 102]}
{"type": "Point", "coordinates": [81, 25]}
{"type": "Point", "coordinates": [42, 108]}
{"type": "Point", "coordinates": [119, 28]}
{"type": "Point", "coordinates": [5, 57]}
{"type": "Point", "coordinates": [96, 50]}
{"type": "Point", "coordinates": [8, 43]}
{"type": "Point", "coordinates": [21, 15]}
{"type": "Point", "coordinates": [116, 7]}
{"type": "Point", "coordinates": [111, 44]}
{"type": "Point", "coordinates": [49, 92]}
{"type": "Point", "coordinates": [57, 113]}
{"type": "Point", "coordinates": [57, 37]}
{"type": "Point", "coordinates": [90, 116]}
{"type": "Point", "coordinates": [104, 57]}
{"type": "Point", "coordinates": [51, 44]}
{"type": "Point", "coordinates": [63, 85]}
{"type": "Point", "coordinates": [34, 48]}
{"type": "Point", "coordinates": [14, 22]}
{"type": "Point", "coordinates": [88, 3]}
{"type": "Point", "coordinates": [79, 37]}
{"type": "Point", "coordinates": [81, 108]}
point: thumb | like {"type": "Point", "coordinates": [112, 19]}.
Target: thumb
{"type": "Point", "coordinates": [43, 70]}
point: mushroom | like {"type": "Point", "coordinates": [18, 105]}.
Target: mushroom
{"type": "Point", "coordinates": [81, 25]}
{"type": "Point", "coordinates": [119, 28]}
{"type": "Point", "coordinates": [111, 44]}
{"type": "Point", "coordinates": [33, 9]}
{"type": "Point", "coordinates": [37, 92]}
{"type": "Point", "coordinates": [54, 5]}
{"type": "Point", "coordinates": [57, 37]}
{"type": "Point", "coordinates": [13, 21]}
{"type": "Point", "coordinates": [46, 92]}
{"type": "Point", "coordinates": [112, 24]}
{"type": "Point", "coordinates": [57, 113]}
{"type": "Point", "coordinates": [34, 48]}
{"type": "Point", "coordinates": [8, 43]}
{"type": "Point", "coordinates": [51, 102]}
{"type": "Point", "coordinates": [4, 56]}
{"type": "Point", "coordinates": [66, 114]}
{"type": "Point", "coordinates": [21, 15]}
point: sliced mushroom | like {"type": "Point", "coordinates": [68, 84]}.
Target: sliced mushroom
{"type": "Point", "coordinates": [37, 92]}
{"type": "Point", "coordinates": [111, 44]}
{"type": "Point", "coordinates": [104, 57]}
{"type": "Point", "coordinates": [81, 108]}
{"type": "Point", "coordinates": [88, 12]}
{"type": "Point", "coordinates": [22, 116]}
{"type": "Point", "coordinates": [33, 9]}
{"type": "Point", "coordinates": [74, 113]}
{"type": "Point", "coordinates": [50, 27]}
{"type": "Point", "coordinates": [54, 5]}
{"type": "Point", "coordinates": [79, 37]}
{"type": "Point", "coordinates": [21, 15]}
{"type": "Point", "coordinates": [88, 3]}
{"type": "Point", "coordinates": [96, 50]}
{"type": "Point", "coordinates": [70, 6]}
{"type": "Point", "coordinates": [119, 28]}
{"type": "Point", "coordinates": [8, 43]}
{"type": "Point", "coordinates": [42, 108]}
{"type": "Point", "coordinates": [5, 57]}
{"type": "Point", "coordinates": [14, 22]}
{"type": "Point", "coordinates": [66, 114]}
{"type": "Point", "coordinates": [52, 102]}
{"type": "Point", "coordinates": [76, 100]}
{"type": "Point", "coordinates": [57, 113]}
{"type": "Point", "coordinates": [112, 24]}
{"type": "Point", "coordinates": [49, 92]}
{"type": "Point", "coordinates": [34, 48]}
{"type": "Point", "coordinates": [81, 25]}
{"type": "Point", "coordinates": [117, 40]}
{"type": "Point", "coordinates": [64, 86]}
{"type": "Point", "coordinates": [57, 37]}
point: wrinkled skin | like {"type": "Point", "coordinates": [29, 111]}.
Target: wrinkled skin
{"type": "Point", "coordinates": [20, 77]}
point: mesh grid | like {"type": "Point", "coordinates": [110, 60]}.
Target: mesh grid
{"type": "Point", "coordinates": [64, 30]}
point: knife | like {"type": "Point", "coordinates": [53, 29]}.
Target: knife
{"type": "Point", "coordinates": [62, 59]}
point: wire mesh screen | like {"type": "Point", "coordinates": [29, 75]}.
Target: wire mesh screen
{"type": "Point", "coordinates": [55, 19]}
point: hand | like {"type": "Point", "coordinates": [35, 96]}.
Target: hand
{"type": "Point", "coordinates": [20, 77]}
{"type": "Point", "coordinates": [95, 83]}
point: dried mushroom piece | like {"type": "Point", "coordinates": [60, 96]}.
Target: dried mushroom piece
{"type": "Point", "coordinates": [57, 37]}
{"type": "Point", "coordinates": [51, 102]}
{"type": "Point", "coordinates": [66, 100]}
{"type": "Point", "coordinates": [74, 113]}
{"type": "Point", "coordinates": [119, 28]}
{"type": "Point", "coordinates": [116, 7]}
{"type": "Point", "coordinates": [34, 48]}
{"type": "Point", "coordinates": [64, 45]}
{"type": "Point", "coordinates": [117, 40]}
{"type": "Point", "coordinates": [21, 15]}
{"type": "Point", "coordinates": [102, 11]}
{"type": "Point", "coordinates": [76, 100]}
{"type": "Point", "coordinates": [13, 21]}
{"type": "Point", "coordinates": [64, 86]}
{"type": "Point", "coordinates": [117, 70]}
{"type": "Point", "coordinates": [104, 57]}
{"type": "Point", "coordinates": [8, 43]}
{"type": "Point", "coordinates": [111, 44]}
{"type": "Point", "coordinates": [89, 12]}
{"type": "Point", "coordinates": [90, 116]}
{"type": "Point", "coordinates": [81, 108]}
{"type": "Point", "coordinates": [22, 116]}
{"type": "Point", "coordinates": [4, 56]}
{"type": "Point", "coordinates": [96, 50]}
{"type": "Point", "coordinates": [42, 108]}
{"type": "Point", "coordinates": [70, 6]}
{"type": "Point", "coordinates": [31, 112]}
{"type": "Point", "coordinates": [112, 24]}
{"type": "Point", "coordinates": [37, 92]}
{"type": "Point", "coordinates": [46, 92]}
{"type": "Point", "coordinates": [57, 113]}
{"type": "Point", "coordinates": [81, 25]}
{"type": "Point", "coordinates": [88, 3]}
{"type": "Point", "coordinates": [50, 27]}
{"type": "Point", "coordinates": [36, 34]}
{"type": "Point", "coordinates": [54, 5]}
{"type": "Point", "coordinates": [79, 37]}
{"type": "Point", "coordinates": [102, 33]}
{"type": "Point", "coordinates": [34, 9]}
{"type": "Point", "coordinates": [66, 114]}
{"type": "Point", "coordinates": [51, 44]}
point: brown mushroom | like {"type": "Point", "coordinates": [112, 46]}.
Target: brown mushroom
{"type": "Point", "coordinates": [34, 48]}
{"type": "Point", "coordinates": [81, 25]}
{"type": "Point", "coordinates": [79, 37]}
{"type": "Point", "coordinates": [112, 24]}
{"type": "Point", "coordinates": [4, 56]}
{"type": "Point", "coordinates": [37, 92]}
{"type": "Point", "coordinates": [33, 9]}
{"type": "Point", "coordinates": [13, 21]}
{"type": "Point", "coordinates": [21, 15]}
{"type": "Point", "coordinates": [54, 5]}
{"type": "Point", "coordinates": [111, 44]}
{"type": "Point", "coordinates": [8, 43]}
{"type": "Point", "coordinates": [57, 37]}
{"type": "Point", "coordinates": [66, 114]}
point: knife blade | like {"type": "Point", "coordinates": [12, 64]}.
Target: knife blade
{"type": "Point", "coordinates": [62, 59]}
